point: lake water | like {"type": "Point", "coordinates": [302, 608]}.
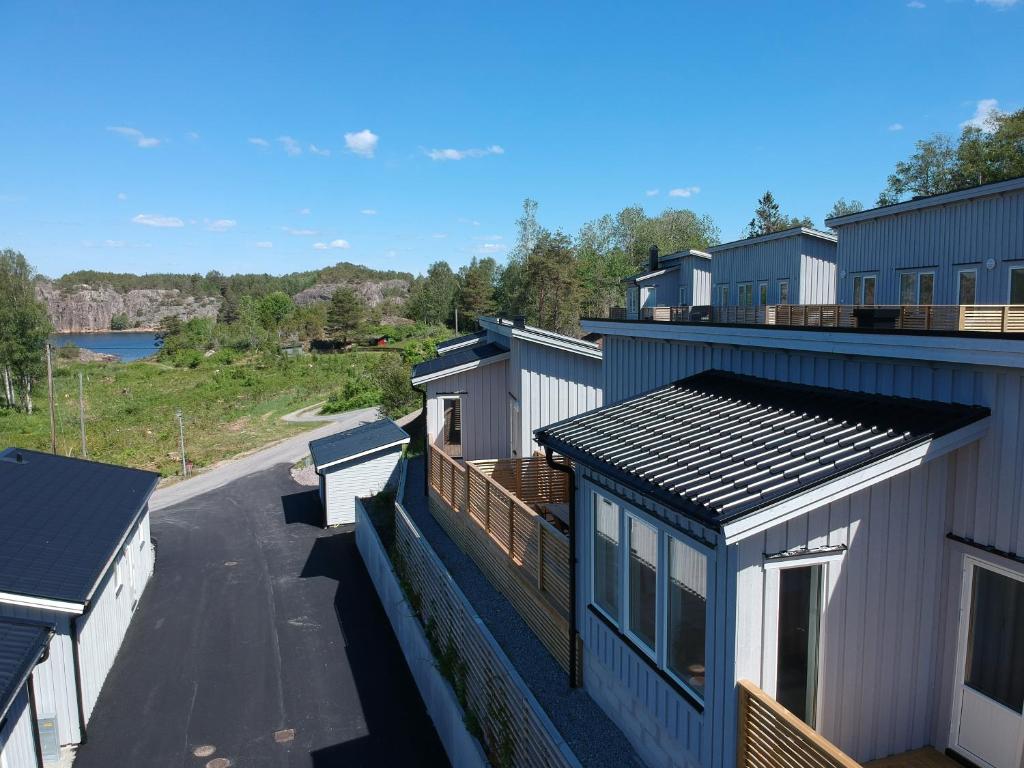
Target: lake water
{"type": "Point", "coordinates": [129, 345]}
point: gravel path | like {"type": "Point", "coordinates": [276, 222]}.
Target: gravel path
{"type": "Point", "coordinates": [594, 738]}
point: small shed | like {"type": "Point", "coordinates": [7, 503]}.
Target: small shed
{"type": "Point", "coordinates": [380, 341]}
{"type": "Point", "coordinates": [358, 462]}
{"type": "Point", "coordinates": [23, 644]}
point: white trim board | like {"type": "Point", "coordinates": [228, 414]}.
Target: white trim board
{"type": "Point", "coordinates": [542, 337]}
{"type": "Point", "coordinates": [460, 368]}
{"type": "Point", "coordinates": [361, 454]}
{"type": "Point", "coordinates": [42, 603]}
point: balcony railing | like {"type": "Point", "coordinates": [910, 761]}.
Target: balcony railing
{"type": "Point", "coordinates": [989, 318]}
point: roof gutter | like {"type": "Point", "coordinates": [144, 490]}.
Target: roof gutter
{"type": "Point", "coordinates": [573, 629]}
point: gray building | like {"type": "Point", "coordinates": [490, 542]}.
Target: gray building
{"type": "Point", "coordinates": [962, 247]}
{"type": "Point", "coordinates": [796, 266]}
{"type": "Point", "coordinates": [22, 646]}
{"type": "Point", "coordinates": [680, 279]}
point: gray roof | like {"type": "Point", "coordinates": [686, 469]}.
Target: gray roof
{"type": "Point", "coordinates": [355, 442]}
{"type": "Point", "coordinates": [717, 446]}
{"type": "Point", "coordinates": [460, 341]}
{"type": "Point", "coordinates": [62, 520]}
{"type": "Point", "coordinates": [791, 232]}
{"type": "Point", "coordinates": [22, 643]}
{"type": "Point", "coordinates": [474, 353]}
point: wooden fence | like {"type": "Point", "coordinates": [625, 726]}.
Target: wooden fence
{"type": "Point", "coordinates": [498, 707]}
{"type": "Point", "coordinates": [521, 554]}
{"type": "Point", "coordinates": [770, 736]}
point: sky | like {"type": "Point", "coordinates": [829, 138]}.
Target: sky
{"type": "Point", "coordinates": [276, 137]}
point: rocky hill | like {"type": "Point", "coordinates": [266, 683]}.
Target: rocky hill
{"type": "Point", "coordinates": [374, 292]}
{"type": "Point", "coordinates": [84, 308]}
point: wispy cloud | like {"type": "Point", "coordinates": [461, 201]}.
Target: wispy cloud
{"type": "Point", "coordinates": [263, 244]}
{"type": "Point", "coordinates": [220, 225]}
{"type": "Point", "coordinates": [369, 211]}
{"type": "Point", "coordinates": [683, 191]}
{"type": "Point", "coordinates": [122, 196]}
{"type": "Point", "coordinates": [916, 5]}
{"type": "Point", "coordinates": [300, 232]}
{"type": "Point", "coordinates": [984, 110]}
{"type": "Point", "coordinates": [439, 235]}
{"type": "Point", "coordinates": [462, 154]}
{"type": "Point", "coordinates": [652, 192]}
{"type": "Point", "coordinates": [490, 248]}
{"type": "Point", "coordinates": [473, 222]}
{"type": "Point", "coordinates": [192, 135]}
{"type": "Point", "coordinates": [291, 146]}
{"type": "Point", "coordinates": [256, 140]}
{"type": "Point", "coordinates": [304, 211]}
{"type": "Point", "coordinates": [156, 220]}
{"type": "Point", "coordinates": [362, 143]}
{"type": "Point", "coordinates": [315, 150]}
{"type": "Point", "coordinates": [140, 139]}
{"type": "Point", "coordinates": [1000, 4]}
{"type": "Point", "coordinates": [895, 127]}
{"type": "Point", "coordinates": [114, 243]}
{"type": "Point", "coordinates": [333, 244]}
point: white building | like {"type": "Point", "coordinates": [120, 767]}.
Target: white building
{"type": "Point", "coordinates": [22, 646]}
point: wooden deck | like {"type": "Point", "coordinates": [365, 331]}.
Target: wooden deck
{"type": "Point", "coordinates": [918, 758]}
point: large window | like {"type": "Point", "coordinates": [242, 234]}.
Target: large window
{"type": "Point", "coordinates": [746, 294]}
{"type": "Point", "coordinates": [722, 293]}
{"type": "Point", "coordinates": [684, 295]}
{"type": "Point", "coordinates": [762, 293]}
{"type": "Point", "coordinates": [783, 291]}
{"type": "Point", "coordinates": [864, 289]}
{"type": "Point", "coordinates": [652, 584]}
{"type": "Point", "coordinates": [967, 286]}
{"type": "Point", "coordinates": [1017, 285]}
{"type": "Point", "coordinates": [917, 287]}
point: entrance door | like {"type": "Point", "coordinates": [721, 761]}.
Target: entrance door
{"type": "Point", "coordinates": [451, 426]}
{"type": "Point", "coordinates": [799, 632]}
{"type": "Point", "coordinates": [987, 721]}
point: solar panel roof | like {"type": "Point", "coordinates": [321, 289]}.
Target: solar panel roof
{"type": "Point", "coordinates": [720, 445]}
{"type": "Point", "coordinates": [62, 519]}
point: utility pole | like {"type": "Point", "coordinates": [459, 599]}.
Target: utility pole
{"type": "Point", "coordinates": [81, 415]}
{"type": "Point", "coordinates": [181, 439]}
{"type": "Point", "coordinates": [49, 390]}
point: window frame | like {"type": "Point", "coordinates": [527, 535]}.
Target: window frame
{"type": "Point", "coordinates": [633, 299]}
{"type": "Point", "coordinates": [457, 399]}
{"type": "Point", "coordinates": [722, 294]}
{"type": "Point", "coordinates": [916, 273]}
{"type": "Point", "coordinates": [749, 286]}
{"type": "Point", "coordinates": [783, 282]}
{"type": "Point", "coordinates": [1009, 280]}
{"type": "Point", "coordinates": [858, 296]}
{"type": "Point", "coordinates": [625, 519]}
{"type": "Point", "coordinates": [592, 601]}
{"type": "Point", "coordinates": [961, 271]}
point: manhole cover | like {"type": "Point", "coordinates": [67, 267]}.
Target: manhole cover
{"type": "Point", "coordinates": [219, 762]}
{"type": "Point", "coordinates": [283, 737]}
{"type": "Point", "coordinates": [204, 750]}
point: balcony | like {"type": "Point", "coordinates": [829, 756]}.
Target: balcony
{"type": "Point", "coordinates": [986, 318]}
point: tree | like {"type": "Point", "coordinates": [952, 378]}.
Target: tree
{"type": "Point", "coordinates": [432, 298]}
{"type": "Point", "coordinates": [768, 218]}
{"type": "Point", "coordinates": [511, 280]}
{"type": "Point", "coordinates": [119, 322]}
{"type": "Point", "coordinates": [274, 309]}
{"type": "Point", "coordinates": [843, 207]}
{"type": "Point", "coordinates": [24, 330]}
{"type": "Point", "coordinates": [346, 312]}
{"type": "Point", "coordinates": [476, 288]}
{"type": "Point", "coordinates": [929, 171]}
{"type": "Point", "coordinates": [309, 320]}
{"type": "Point", "coordinates": [551, 286]}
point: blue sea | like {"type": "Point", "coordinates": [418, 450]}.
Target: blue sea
{"type": "Point", "coordinates": [127, 345]}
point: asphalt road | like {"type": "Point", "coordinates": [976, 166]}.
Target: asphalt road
{"type": "Point", "coordinates": [260, 638]}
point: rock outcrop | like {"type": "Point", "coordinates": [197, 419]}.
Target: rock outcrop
{"type": "Point", "coordinates": [373, 292]}
{"type": "Point", "coordinates": [86, 308]}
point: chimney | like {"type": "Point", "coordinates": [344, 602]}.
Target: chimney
{"type": "Point", "coordinates": [519, 321]}
{"type": "Point", "coordinates": [652, 259]}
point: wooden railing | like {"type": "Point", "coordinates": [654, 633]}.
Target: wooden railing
{"type": "Point", "coordinates": [770, 736]}
{"type": "Point", "coordinates": [990, 318]}
{"type": "Point", "coordinates": [521, 554]}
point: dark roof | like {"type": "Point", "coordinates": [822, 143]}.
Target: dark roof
{"type": "Point", "coordinates": [22, 643]}
{"type": "Point", "coordinates": [356, 442]}
{"type": "Point", "coordinates": [460, 341]}
{"type": "Point", "coordinates": [62, 519]}
{"type": "Point", "coordinates": [457, 358]}
{"type": "Point", "coordinates": [717, 445]}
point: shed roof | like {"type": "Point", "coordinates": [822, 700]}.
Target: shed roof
{"type": "Point", "coordinates": [22, 644]}
{"type": "Point", "coordinates": [480, 353]}
{"type": "Point", "coordinates": [358, 441]}
{"type": "Point", "coordinates": [744, 242]}
{"type": "Point", "coordinates": [460, 341]}
{"type": "Point", "coordinates": [718, 446]}
{"type": "Point", "coordinates": [62, 520]}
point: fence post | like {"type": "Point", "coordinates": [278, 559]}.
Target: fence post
{"type": "Point", "coordinates": [1006, 317]}
{"type": "Point", "coordinates": [540, 554]}
{"type": "Point", "coordinates": [511, 529]}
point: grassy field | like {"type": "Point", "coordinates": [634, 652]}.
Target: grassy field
{"type": "Point", "coordinates": [230, 406]}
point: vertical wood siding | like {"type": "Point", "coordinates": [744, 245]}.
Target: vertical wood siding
{"type": "Point", "coordinates": [946, 238]}
{"type": "Point", "coordinates": [700, 281]}
{"type": "Point", "coordinates": [817, 273]}
{"type": "Point", "coordinates": [17, 740]}
{"type": "Point", "coordinates": [485, 418]}
{"type": "Point", "coordinates": [807, 262]}
{"type": "Point", "coordinates": [361, 478]}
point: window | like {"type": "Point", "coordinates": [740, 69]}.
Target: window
{"type": "Point", "coordinates": [783, 291]}
{"type": "Point", "coordinates": [1017, 285]}
{"type": "Point", "coordinates": [687, 613]}
{"type": "Point", "coordinates": [762, 293]}
{"type": "Point", "coordinates": [606, 556]}
{"type": "Point", "coordinates": [649, 296]}
{"type": "Point", "coordinates": [800, 593]}
{"type": "Point", "coordinates": [684, 295]}
{"type": "Point", "coordinates": [723, 295]}
{"type": "Point", "coordinates": [632, 300]}
{"type": "Point", "coordinates": [746, 294]}
{"type": "Point", "coordinates": [118, 576]}
{"type": "Point", "coordinates": [917, 287]}
{"type": "Point", "coordinates": [967, 286]}
{"type": "Point", "coordinates": [864, 289]}
{"type": "Point", "coordinates": [643, 581]}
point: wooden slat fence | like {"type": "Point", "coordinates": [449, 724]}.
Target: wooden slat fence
{"type": "Point", "coordinates": [499, 708]}
{"type": "Point", "coordinates": [770, 736]}
{"type": "Point", "coordinates": [520, 553]}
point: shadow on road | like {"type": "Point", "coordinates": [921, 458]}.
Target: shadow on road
{"type": "Point", "coordinates": [303, 507]}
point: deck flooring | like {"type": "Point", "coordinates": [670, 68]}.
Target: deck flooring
{"type": "Point", "coordinates": [918, 758]}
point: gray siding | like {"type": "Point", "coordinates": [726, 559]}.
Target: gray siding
{"type": "Point", "coordinates": [700, 283]}
{"type": "Point", "coordinates": [550, 384]}
{"type": "Point", "coordinates": [667, 288]}
{"type": "Point", "coordinates": [807, 262]}
{"type": "Point", "coordinates": [361, 478]}
{"type": "Point", "coordinates": [817, 273]}
{"type": "Point", "coordinates": [946, 238]}
{"type": "Point", "coordinates": [17, 740]}
{"type": "Point", "coordinates": [485, 418]}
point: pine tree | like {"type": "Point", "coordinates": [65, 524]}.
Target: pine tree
{"type": "Point", "coordinates": [346, 314]}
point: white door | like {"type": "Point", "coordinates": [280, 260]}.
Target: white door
{"type": "Point", "coordinates": [987, 723]}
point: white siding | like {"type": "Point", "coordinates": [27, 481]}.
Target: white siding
{"type": "Point", "coordinates": [360, 478]}
{"type": "Point", "coordinates": [484, 393]}
{"type": "Point", "coordinates": [17, 740]}
{"type": "Point", "coordinates": [550, 384]}
{"type": "Point", "coordinates": [946, 238]}
{"type": "Point", "coordinates": [700, 282]}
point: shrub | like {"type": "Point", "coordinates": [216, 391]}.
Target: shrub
{"type": "Point", "coordinates": [69, 351]}
{"type": "Point", "coordinates": [120, 322]}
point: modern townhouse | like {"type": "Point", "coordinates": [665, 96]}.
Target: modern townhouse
{"type": "Point", "coordinates": [680, 279]}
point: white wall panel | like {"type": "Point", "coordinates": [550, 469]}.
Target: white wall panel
{"type": "Point", "coordinates": [484, 393]}
{"type": "Point", "coordinates": [17, 739]}
{"type": "Point", "coordinates": [357, 479]}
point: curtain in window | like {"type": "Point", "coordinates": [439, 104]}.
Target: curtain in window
{"type": "Point", "coordinates": [687, 613]}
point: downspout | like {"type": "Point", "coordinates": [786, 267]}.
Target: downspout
{"type": "Point", "coordinates": [34, 715]}
{"type": "Point", "coordinates": [572, 561]}
{"type": "Point", "coordinates": [426, 444]}
{"type": "Point", "coordinates": [76, 658]}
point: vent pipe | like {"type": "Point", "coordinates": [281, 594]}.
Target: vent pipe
{"type": "Point", "coordinates": [652, 259]}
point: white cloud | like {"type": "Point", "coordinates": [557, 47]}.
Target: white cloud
{"type": "Point", "coordinates": [916, 5]}
{"type": "Point", "coordinates": [683, 191]}
{"type": "Point", "coordinates": [474, 222]}
{"type": "Point", "coordinates": [140, 139]}
{"type": "Point", "coordinates": [462, 154]}
{"type": "Point", "coordinates": [896, 127]}
{"type": "Point", "coordinates": [114, 243]}
{"type": "Point", "coordinates": [439, 235]}
{"type": "Point", "coordinates": [315, 150]}
{"type": "Point", "coordinates": [369, 211]}
{"type": "Point", "coordinates": [362, 143]}
{"type": "Point", "coordinates": [193, 135]}
{"type": "Point", "coordinates": [122, 196]}
{"type": "Point", "coordinates": [220, 225]}
{"type": "Point", "coordinates": [332, 244]}
{"type": "Point", "coordinates": [156, 220]}
{"type": "Point", "coordinates": [264, 244]}
{"type": "Point", "coordinates": [1000, 4]}
{"type": "Point", "coordinates": [300, 232]}
{"type": "Point", "coordinates": [304, 211]}
{"type": "Point", "coordinates": [259, 142]}
{"type": "Point", "coordinates": [983, 111]}
{"type": "Point", "coordinates": [652, 192]}
{"type": "Point", "coordinates": [490, 248]}
{"type": "Point", "coordinates": [291, 146]}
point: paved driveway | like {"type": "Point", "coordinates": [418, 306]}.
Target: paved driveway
{"type": "Point", "coordinates": [256, 624]}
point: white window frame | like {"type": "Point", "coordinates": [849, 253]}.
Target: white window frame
{"type": "Point", "coordinates": [762, 292]}
{"type": "Point", "coordinates": [1009, 279]}
{"type": "Point", "coordinates": [625, 517]}
{"type": "Point", "coordinates": [741, 288]}
{"type": "Point", "coordinates": [682, 296]}
{"type": "Point", "coordinates": [917, 273]}
{"type": "Point", "coordinates": [591, 599]}
{"type": "Point", "coordinates": [858, 300]}
{"type": "Point", "coordinates": [722, 294]}
{"type": "Point", "coordinates": [648, 296]}
{"type": "Point", "coordinates": [961, 271]}
{"type": "Point", "coordinates": [442, 399]}
{"type": "Point", "coordinates": [783, 282]}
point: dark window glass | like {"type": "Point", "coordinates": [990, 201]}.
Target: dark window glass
{"type": "Point", "coordinates": [799, 625]}
{"type": "Point", "coordinates": [967, 291]}
{"type": "Point", "coordinates": [908, 288]}
{"type": "Point", "coordinates": [606, 556]}
{"type": "Point", "coordinates": [869, 290]}
{"type": "Point", "coordinates": [1017, 285]}
{"type": "Point", "coordinates": [995, 640]}
{"type": "Point", "coordinates": [926, 288]}
{"type": "Point", "coordinates": [643, 580]}
{"type": "Point", "coordinates": [687, 612]}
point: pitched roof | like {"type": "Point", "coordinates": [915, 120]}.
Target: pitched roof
{"type": "Point", "coordinates": [22, 643]}
{"type": "Point", "coordinates": [718, 446]}
{"type": "Point", "coordinates": [356, 442]}
{"type": "Point", "coordinates": [791, 232]}
{"type": "Point", "coordinates": [460, 341]}
{"type": "Point", "coordinates": [62, 520]}
{"type": "Point", "coordinates": [474, 354]}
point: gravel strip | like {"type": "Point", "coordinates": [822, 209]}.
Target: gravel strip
{"type": "Point", "coordinates": [591, 735]}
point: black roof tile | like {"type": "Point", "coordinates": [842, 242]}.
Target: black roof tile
{"type": "Point", "coordinates": [460, 341]}
{"type": "Point", "coordinates": [356, 441]}
{"type": "Point", "coordinates": [458, 357]}
{"type": "Point", "coordinates": [21, 645]}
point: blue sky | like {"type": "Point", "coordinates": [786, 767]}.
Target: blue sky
{"type": "Point", "coordinates": [183, 136]}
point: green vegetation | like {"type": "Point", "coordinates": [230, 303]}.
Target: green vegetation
{"type": "Point", "coordinates": [768, 218]}
{"type": "Point", "coordinates": [24, 328]}
{"type": "Point", "coordinates": [120, 322]}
